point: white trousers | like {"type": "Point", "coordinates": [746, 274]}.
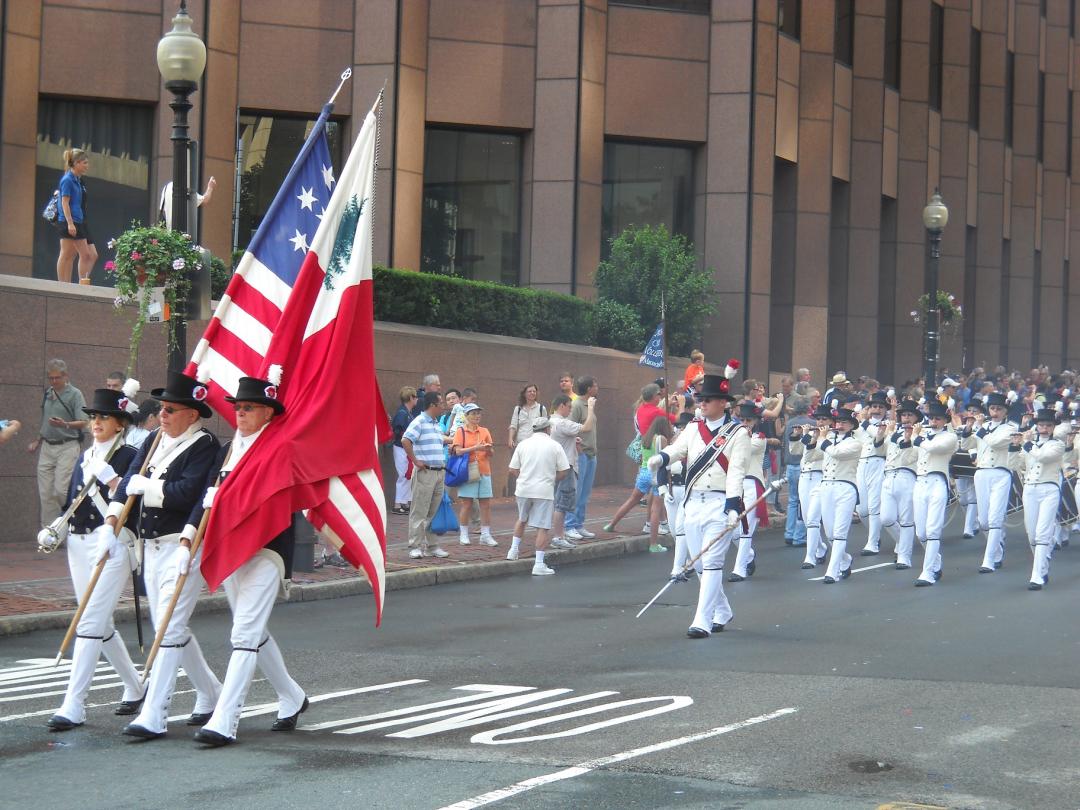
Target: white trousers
{"type": "Point", "coordinates": [838, 500]}
{"type": "Point", "coordinates": [870, 477]}
{"type": "Point", "coordinates": [252, 590]}
{"type": "Point", "coordinates": [673, 506]}
{"type": "Point", "coordinates": [745, 554]}
{"type": "Point", "coordinates": [403, 488]}
{"type": "Point", "coordinates": [965, 493]}
{"type": "Point", "coordinates": [931, 498]}
{"type": "Point", "coordinates": [1040, 513]}
{"type": "Point", "coordinates": [95, 632]}
{"type": "Point", "coordinates": [810, 507]}
{"type": "Point", "coordinates": [898, 510]}
{"type": "Point", "coordinates": [703, 521]}
{"type": "Point", "coordinates": [178, 645]}
{"type": "Point", "coordinates": [992, 488]}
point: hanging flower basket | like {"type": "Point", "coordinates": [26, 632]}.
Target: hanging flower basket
{"type": "Point", "coordinates": [148, 258]}
{"type": "Point", "coordinates": [950, 313]}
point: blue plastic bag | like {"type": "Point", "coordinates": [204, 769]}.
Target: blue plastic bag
{"type": "Point", "coordinates": [445, 520]}
{"type": "Point", "coordinates": [457, 470]}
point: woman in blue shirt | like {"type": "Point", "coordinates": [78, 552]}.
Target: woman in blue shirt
{"type": "Point", "coordinates": [71, 220]}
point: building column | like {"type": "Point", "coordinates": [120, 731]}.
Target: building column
{"type": "Point", "coordinates": [590, 147]}
{"type": "Point", "coordinates": [218, 138]}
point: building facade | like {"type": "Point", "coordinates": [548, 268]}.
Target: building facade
{"type": "Point", "coordinates": [794, 143]}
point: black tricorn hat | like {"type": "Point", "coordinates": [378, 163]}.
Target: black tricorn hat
{"type": "Point", "coordinates": [845, 414]}
{"type": "Point", "coordinates": [937, 410]}
{"type": "Point", "coordinates": [750, 410]}
{"type": "Point", "coordinates": [715, 386]}
{"type": "Point", "coordinates": [910, 406]}
{"type": "Point", "coordinates": [878, 398]}
{"type": "Point", "coordinates": [975, 403]}
{"type": "Point", "coordinates": [184, 390]}
{"type": "Point", "coordinates": [261, 392]}
{"type": "Point", "coordinates": [107, 402]}
{"type": "Point", "coordinates": [1046, 415]}
{"type": "Point", "coordinates": [994, 398]}
{"type": "Point", "coordinates": [822, 412]}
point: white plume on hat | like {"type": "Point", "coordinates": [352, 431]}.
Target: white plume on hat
{"type": "Point", "coordinates": [1059, 406]}
{"type": "Point", "coordinates": [273, 375]}
{"type": "Point", "coordinates": [1011, 397]}
{"type": "Point", "coordinates": [731, 369]}
{"type": "Point", "coordinates": [130, 390]}
{"type": "Point", "coordinates": [891, 393]}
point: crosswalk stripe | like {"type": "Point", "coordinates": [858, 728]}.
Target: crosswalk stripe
{"type": "Point", "coordinates": [856, 570]}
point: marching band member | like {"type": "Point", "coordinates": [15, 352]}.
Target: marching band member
{"type": "Point", "coordinates": [753, 488]}
{"type": "Point", "coordinates": [871, 474]}
{"type": "Point", "coordinates": [674, 495]}
{"type": "Point", "coordinates": [716, 449]}
{"type": "Point", "coordinates": [109, 417]}
{"type": "Point", "coordinates": [898, 488]}
{"type": "Point", "coordinates": [1043, 455]}
{"type": "Point", "coordinates": [936, 447]}
{"type": "Point", "coordinates": [993, 477]}
{"type": "Point", "coordinates": [174, 484]}
{"type": "Point", "coordinates": [965, 484]}
{"type": "Point", "coordinates": [813, 460]}
{"type": "Point", "coordinates": [253, 587]}
{"type": "Point", "coordinates": [839, 492]}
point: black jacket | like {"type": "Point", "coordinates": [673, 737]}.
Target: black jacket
{"type": "Point", "coordinates": [86, 517]}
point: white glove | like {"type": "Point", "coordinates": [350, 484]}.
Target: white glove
{"type": "Point", "coordinates": [137, 484]}
{"type": "Point", "coordinates": [108, 544]}
{"type": "Point", "coordinates": [99, 468]}
{"type": "Point", "coordinates": [655, 462]}
{"type": "Point", "coordinates": [182, 560]}
{"type": "Point", "coordinates": [208, 498]}
{"type": "Point", "coordinates": [732, 519]}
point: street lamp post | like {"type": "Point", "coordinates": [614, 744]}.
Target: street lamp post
{"type": "Point", "coordinates": [935, 217]}
{"type": "Point", "coordinates": [181, 58]}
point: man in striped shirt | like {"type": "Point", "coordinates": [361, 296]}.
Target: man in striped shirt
{"type": "Point", "coordinates": [423, 444]}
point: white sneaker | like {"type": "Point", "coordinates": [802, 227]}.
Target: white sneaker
{"type": "Point", "coordinates": [416, 553]}
{"type": "Point", "coordinates": [573, 534]}
{"type": "Point", "coordinates": [558, 542]}
{"type": "Point", "coordinates": [646, 527]}
{"type": "Point", "coordinates": [541, 570]}
{"type": "Point", "coordinates": [439, 551]}
{"type": "Point", "coordinates": [512, 554]}
{"type": "Point", "coordinates": [487, 540]}
{"type": "Point", "coordinates": [664, 528]}
{"type": "Point", "coordinates": [465, 541]}
{"type": "Point", "coordinates": [586, 534]}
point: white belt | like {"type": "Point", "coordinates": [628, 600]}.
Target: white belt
{"type": "Point", "coordinates": [707, 494]}
{"type": "Point", "coordinates": [169, 541]}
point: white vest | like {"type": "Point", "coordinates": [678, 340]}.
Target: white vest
{"type": "Point", "coordinates": [992, 449]}
{"type": "Point", "coordinates": [935, 452]}
{"type": "Point", "coordinates": [842, 460]}
{"type": "Point", "coordinates": [1044, 462]}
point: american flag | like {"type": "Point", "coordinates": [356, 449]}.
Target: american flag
{"type": "Point", "coordinates": [301, 299]}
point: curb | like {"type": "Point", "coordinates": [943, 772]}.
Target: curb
{"type": "Point", "coordinates": [354, 586]}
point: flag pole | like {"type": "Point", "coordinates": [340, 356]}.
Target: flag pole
{"type": "Point", "coordinates": [663, 344]}
{"type": "Point", "coordinates": [345, 76]}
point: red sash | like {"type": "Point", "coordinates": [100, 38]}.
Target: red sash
{"type": "Point", "coordinates": [707, 436]}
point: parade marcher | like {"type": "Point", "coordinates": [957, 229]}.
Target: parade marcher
{"type": "Point", "coordinates": [716, 449]}
{"type": "Point", "coordinates": [963, 477]}
{"type": "Point", "coordinates": [936, 447]}
{"type": "Point", "coordinates": [839, 491]}
{"type": "Point", "coordinates": [1044, 455]}
{"type": "Point", "coordinates": [898, 488]}
{"type": "Point", "coordinates": [252, 588]}
{"type": "Point", "coordinates": [174, 483]}
{"type": "Point", "coordinates": [993, 477]}
{"type": "Point", "coordinates": [95, 632]}
{"type": "Point", "coordinates": [753, 488]}
{"type": "Point", "coordinates": [674, 494]}
{"type": "Point", "coordinates": [871, 474]}
{"type": "Point", "coordinates": [813, 460]}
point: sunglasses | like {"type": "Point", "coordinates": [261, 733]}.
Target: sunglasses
{"type": "Point", "coordinates": [247, 407]}
{"type": "Point", "coordinates": [171, 409]}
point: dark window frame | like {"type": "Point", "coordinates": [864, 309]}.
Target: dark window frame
{"type": "Point", "coordinates": [789, 19]}
{"type": "Point", "coordinates": [844, 32]}
{"type": "Point", "coordinates": [893, 20]}
{"type": "Point", "coordinates": [937, 55]}
{"type": "Point", "coordinates": [1010, 95]}
{"type": "Point", "coordinates": [975, 80]}
{"type": "Point", "coordinates": [699, 7]}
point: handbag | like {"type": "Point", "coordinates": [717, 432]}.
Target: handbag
{"type": "Point", "coordinates": [445, 520]}
{"type": "Point", "coordinates": [51, 210]}
{"type": "Point", "coordinates": [633, 450]}
{"type": "Point", "coordinates": [457, 471]}
{"type": "Point", "coordinates": [474, 471]}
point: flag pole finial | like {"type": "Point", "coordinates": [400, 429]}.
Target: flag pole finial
{"type": "Point", "coordinates": [345, 76]}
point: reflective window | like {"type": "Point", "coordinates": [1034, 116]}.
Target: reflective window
{"type": "Point", "coordinates": [844, 43]}
{"type": "Point", "coordinates": [471, 220]}
{"type": "Point", "coordinates": [937, 47]}
{"type": "Point", "coordinates": [118, 138]}
{"type": "Point", "coordinates": [788, 17]}
{"type": "Point", "coordinates": [266, 146]}
{"type": "Point", "coordinates": [692, 6]}
{"type": "Point", "coordinates": [974, 79]}
{"type": "Point", "coordinates": [892, 43]}
{"type": "Point", "coordinates": [647, 184]}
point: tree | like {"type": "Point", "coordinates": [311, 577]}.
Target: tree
{"type": "Point", "coordinates": [644, 261]}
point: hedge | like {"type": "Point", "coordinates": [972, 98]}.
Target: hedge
{"type": "Point", "coordinates": [426, 299]}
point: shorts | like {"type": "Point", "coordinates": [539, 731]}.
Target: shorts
{"type": "Point", "coordinates": [536, 512]}
{"type": "Point", "coordinates": [566, 492]}
{"type": "Point", "coordinates": [477, 489]}
{"type": "Point", "coordinates": [81, 231]}
{"type": "Point", "coordinates": [644, 483]}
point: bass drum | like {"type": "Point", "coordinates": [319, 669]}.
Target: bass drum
{"type": "Point", "coordinates": [1067, 512]}
{"type": "Point", "coordinates": [1016, 495]}
{"type": "Point", "coordinates": [961, 465]}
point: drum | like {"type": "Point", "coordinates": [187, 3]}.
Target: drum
{"type": "Point", "coordinates": [1016, 495]}
{"type": "Point", "coordinates": [962, 465]}
{"type": "Point", "coordinates": [1067, 512]}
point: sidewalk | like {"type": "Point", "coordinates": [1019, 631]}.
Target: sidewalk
{"type": "Point", "coordinates": [36, 592]}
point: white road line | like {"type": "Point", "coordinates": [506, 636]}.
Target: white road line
{"type": "Point", "coordinates": [61, 681]}
{"type": "Point", "coordinates": [856, 570]}
{"type": "Point", "coordinates": [55, 692]}
{"type": "Point", "coordinates": [50, 712]}
{"type": "Point", "coordinates": [601, 762]}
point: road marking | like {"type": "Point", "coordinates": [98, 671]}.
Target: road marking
{"type": "Point", "coordinates": [601, 762]}
{"type": "Point", "coordinates": [50, 712]}
{"type": "Point", "coordinates": [856, 570]}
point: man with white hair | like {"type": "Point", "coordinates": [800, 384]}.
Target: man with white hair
{"type": "Point", "coordinates": [538, 463]}
{"type": "Point", "coordinates": [59, 438]}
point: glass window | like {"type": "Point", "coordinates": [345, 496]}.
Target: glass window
{"type": "Point", "coordinates": [974, 78]}
{"type": "Point", "coordinates": [1010, 83]}
{"type": "Point", "coordinates": [266, 146]}
{"type": "Point", "coordinates": [118, 138]}
{"type": "Point", "coordinates": [892, 43]}
{"type": "Point", "coordinates": [1069, 134]}
{"type": "Point", "coordinates": [692, 6]}
{"type": "Point", "coordinates": [1040, 110]}
{"type": "Point", "coordinates": [647, 184]}
{"type": "Point", "coordinates": [788, 19]}
{"type": "Point", "coordinates": [471, 220]}
{"type": "Point", "coordinates": [844, 43]}
{"type": "Point", "coordinates": [937, 45]}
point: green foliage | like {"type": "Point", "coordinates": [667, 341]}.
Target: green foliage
{"type": "Point", "coordinates": [219, 277]}
{"type": "Point", "coordinates": [617, 326]}
{"type": "Point", "coordinates": [645, 260]}
{"type": "Point", "coordinates": [426, 299]}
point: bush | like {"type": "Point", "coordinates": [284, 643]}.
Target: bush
{"type": "Point", "coordinates": [617, 326]}
{"type": "Point", "coordinates": [219, 278]}
{"type": "Point", "coordinates": [644, 261]}
{"type": "Point", "coordinates": [405, 296]}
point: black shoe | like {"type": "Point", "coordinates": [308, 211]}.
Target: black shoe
{"type": "Point", "coordinates": [868, 552]}
{"type": "Point", "coordinates": [845, 573]}
{"type": "Point", "coordinates": [199, 718]}
{"type": "Point", "coordinates": [807, 566]}
{"type": "Point", "coordinates": [127, 707]}
{"type": "Point", "coordinates": [1032, 586]}
{"type": "Point", "coordinates": [717, 627]}
{"type": "Point", "coordinates": [133, 730]}
{"type": "Point", "coordinates": [821, 560]}
{"type": "Point", "coordinates": [60, 723]}
{"type": "Point", "coordinates": [999, 564]}
{"type": "Point", "coordinates": [212, 738]}
{"type": "Point", "coordinates": [788, 541]}
{"type": "Point", "coordinates": [828, 580]}
{"type": "Point", "coordinates": [697, 632]}
{"type": "Point", "coordinates": [968, 536]}
{"type": "Point", "coordinates": [938, 575]}
{"type": "Point", "coordinates": [1065, 542]}
{"type": "Point", "coordinates": [736, 577]}
{"type": "Point", "coordinates": [902, 566]}
{"type": "Point", "coordinates": [984, 570]}
{"type": "Point", "coordinates": [922, 583]}
{"type": "Point", "coordinates": [751, 568]}
{"type": "Point", "coordinates": [289, 723]}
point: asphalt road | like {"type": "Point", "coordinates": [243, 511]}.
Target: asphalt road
{"type": "Point", "coordinates": [549, 693]}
